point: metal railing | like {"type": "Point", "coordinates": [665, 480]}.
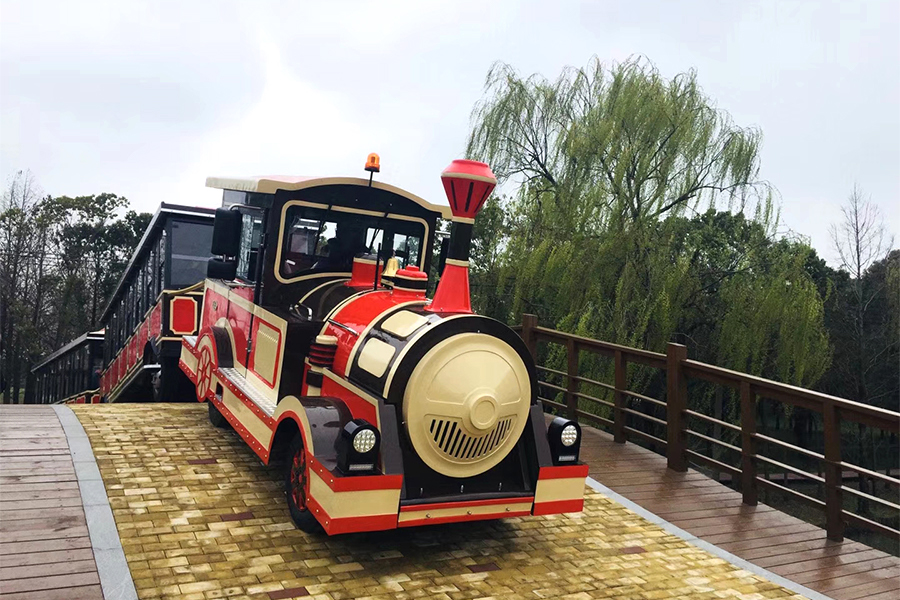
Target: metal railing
{"type": "Point", "coordinates": [678, 370]}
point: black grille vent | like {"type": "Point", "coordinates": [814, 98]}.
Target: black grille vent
{"type": "Point", "coordinates": [449, 436]}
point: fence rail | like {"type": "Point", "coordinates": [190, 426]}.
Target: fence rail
{"type": "Point", "coordinates": [678, 371]}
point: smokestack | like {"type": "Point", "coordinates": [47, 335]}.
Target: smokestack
{"type": "Point", "coordinates": [467, 183]}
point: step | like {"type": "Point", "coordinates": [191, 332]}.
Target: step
{"type": "Point", "coordinates": [249, 390]}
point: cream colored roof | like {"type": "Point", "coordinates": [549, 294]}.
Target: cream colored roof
{"type": "Point", "coordinates": [269, 184]}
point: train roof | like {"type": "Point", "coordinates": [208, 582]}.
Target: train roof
{"type": "Point", "coordinates": [90, 335]}
{"type": "Point", "coordinates": [269, 184]}
{"type": "Point", "coordinates": [164, 211]}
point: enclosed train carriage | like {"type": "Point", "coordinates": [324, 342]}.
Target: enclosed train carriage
{"type": "Point", "coordinates": [156, 302]}
{"type": "Point", "coordinates": [320, 346]}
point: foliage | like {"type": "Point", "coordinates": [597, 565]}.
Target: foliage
{"type": "Point", "coordinates": [60, 259]}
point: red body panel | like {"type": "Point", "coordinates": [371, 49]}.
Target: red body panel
{"type": "Point", "coordinates": [215, 307]}
{"type": "Point", "coordinates": [183, 314]}
{"type": "Point", "coordinates": [358, 314]}
{"type": "Point", "coordinates": [359, 407]}
{"type": "Point", "coordinates": [156, 320]}
{"type": "Point", "coordinates": [257, 324]}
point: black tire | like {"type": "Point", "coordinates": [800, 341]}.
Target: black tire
{"type": "Point", "coordinates": [215, 417]}
{"type": "Point", "coordinates": [296, 473]}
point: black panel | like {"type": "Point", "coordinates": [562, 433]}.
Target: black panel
{"type": "Point", "coordinates": [326, 417]}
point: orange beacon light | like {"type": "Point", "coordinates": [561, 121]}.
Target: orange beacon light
{"type": "Point", "coordinates": [373, 163]}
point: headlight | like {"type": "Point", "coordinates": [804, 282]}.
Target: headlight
{"type": "Point", "coordinates": [564, 437]}
{"type": "Point", "coordinates": [568, 436]}
{"type": "Point", "coordinates": [364, 441]}
{"type": "Point", "coordinates": [357, 447]}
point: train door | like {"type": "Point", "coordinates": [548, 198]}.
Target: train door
{"type": "Point", "coordinates": [240, 301]}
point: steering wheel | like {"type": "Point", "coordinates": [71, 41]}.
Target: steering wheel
{"type": "Point", "coordinates": [301, 312]}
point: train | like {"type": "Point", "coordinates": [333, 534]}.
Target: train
{"type": "Point", "coordinates": [318, 344]}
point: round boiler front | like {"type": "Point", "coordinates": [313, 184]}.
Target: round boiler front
{"type": "Point", "coordinates": [466, 404]}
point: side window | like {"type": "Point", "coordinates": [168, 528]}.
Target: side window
{"type": "Point", "coordinates": [191, 243]}
{"type": "Point", "coordinates": [251, 235]}
{"type": "Point", "coordinates": [311, 244]}
{"type": "Point", "coordinates": [406, 249]}
{"type": "Point", "coordinates": [161, 263]}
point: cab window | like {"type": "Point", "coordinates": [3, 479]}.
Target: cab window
{"type": "Point", "coordinates": [326, 241]}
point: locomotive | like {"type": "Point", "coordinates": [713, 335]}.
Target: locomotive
{"type": "Point", "coordinates": [319, 346]}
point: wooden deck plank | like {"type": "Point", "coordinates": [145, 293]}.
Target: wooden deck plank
{"type": "Point", "coordinates": [40, 502]}
{"type": "Point", "coordinates": [47, 569]}
{"type": "Point", "coordinates": [36, 558]}
{"type": "Point", "coordinates": [51, 522]}
{"type": "Point", "coordinates": [84, 592]}
{"type": "Point", "coordinates": [36, 584]}
{"type": "Point", "coordinates": [20, 513]}
{"type": "Point", "coordinates": [7, 548]}
{"type": "Point", "coordinates": [63, 476]}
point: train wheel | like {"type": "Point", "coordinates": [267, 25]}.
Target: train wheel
{"type": "Point", "coordinates": [296, 485]}
{"type": "Point", "coordinates": [216, 417]}
{"type": "Point", "coordinates": [205, 369]}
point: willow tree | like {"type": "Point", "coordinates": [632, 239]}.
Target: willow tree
{"type": "Point", "coordinates": [612, 146]}
{"type": "Point", "coordinates": [600, 163]}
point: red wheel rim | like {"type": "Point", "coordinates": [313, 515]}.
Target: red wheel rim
{"type": "Point", "coordinates": [298, 479]}
{"type": "Point", "coordinates": [204, 373]}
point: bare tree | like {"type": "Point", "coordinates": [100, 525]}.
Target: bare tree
{"type": "Point", "coordinates": [860, 240]}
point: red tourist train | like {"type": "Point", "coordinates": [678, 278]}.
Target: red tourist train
{"type": "Point", "coordinates": [319, 346]}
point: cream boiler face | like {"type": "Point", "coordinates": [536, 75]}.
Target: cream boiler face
{"type": "Point", "coordinates": [466, 404]}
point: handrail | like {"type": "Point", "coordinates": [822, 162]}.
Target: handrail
{"type": "Point", "coordinates": [678, 370]}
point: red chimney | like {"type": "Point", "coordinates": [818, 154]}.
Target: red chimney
{"type": "Point", "coordinates": [468, 183]}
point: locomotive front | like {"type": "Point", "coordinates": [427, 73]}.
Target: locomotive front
{"type": "Point", "coordinates": [458, 412]}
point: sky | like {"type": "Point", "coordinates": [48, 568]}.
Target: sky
{"type": "Point", "coordinates": [146, 100]}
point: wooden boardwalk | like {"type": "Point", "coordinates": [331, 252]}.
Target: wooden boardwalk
{"type": "Point", "coordinates": [759, 534]}
{"type": "Point", "coordinates": [45, 549]}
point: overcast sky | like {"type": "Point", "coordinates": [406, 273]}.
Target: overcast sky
{"type": "Point", "coordinates": [146, 100]}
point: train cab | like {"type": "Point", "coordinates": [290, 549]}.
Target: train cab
{"type": "Point", "coordinates": [319, 345]}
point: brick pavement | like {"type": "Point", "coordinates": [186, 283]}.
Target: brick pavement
{"type": "Point", "coordinates": [200, 517]}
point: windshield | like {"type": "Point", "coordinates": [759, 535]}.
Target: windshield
{"type": "Point", "coordinates": [318, 240]}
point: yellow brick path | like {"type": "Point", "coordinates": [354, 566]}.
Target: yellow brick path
{"type": "Point", "coordinates": [192, 528]}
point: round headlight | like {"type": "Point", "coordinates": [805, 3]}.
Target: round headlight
{"type": "Point", "coordinates": [364, 441]}
{"type": "Point", "coordinates": [569, 435]}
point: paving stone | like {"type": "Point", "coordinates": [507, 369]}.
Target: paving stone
{"type": "Point", "coordinates": [199, 516]}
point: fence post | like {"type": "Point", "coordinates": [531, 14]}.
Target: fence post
{"type": "Point", "coordinates": [621, 381]}
{"type": "Point", "coordinates": [748, 445]}
{"type": "Point", "coordinates": [676, 402]}
{"type": "Point", "coordinates": [834, 501]}
{"type": "Point", "coordinates": [571, 382]}
{"type": "Point", "coordinates": [529, 324]}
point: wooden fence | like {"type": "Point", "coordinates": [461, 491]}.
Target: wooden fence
{"type": "Point", "coordinates": [678, 371]}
